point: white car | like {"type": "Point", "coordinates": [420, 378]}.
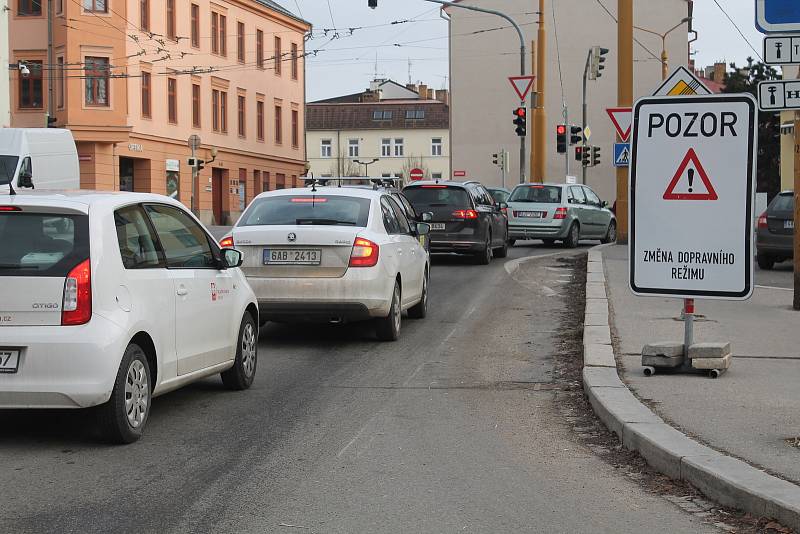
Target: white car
{"type": "Point", "coordinates": [335, 255]}
{"type": "Point", "coordinates": [113, 298]}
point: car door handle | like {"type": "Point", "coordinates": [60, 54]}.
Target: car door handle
{"type": "Point", "coordinates": [182, 291]}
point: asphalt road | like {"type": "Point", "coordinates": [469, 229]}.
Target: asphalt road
{"type": "Point", "coordinates": [454, 428]}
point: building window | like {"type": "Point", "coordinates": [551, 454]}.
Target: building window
{"type": "Point", "coordinates": [259, 49]}
{"type": "Point", "coordinates": [386, 148]}
{"type": "Point", "coordinates": [97, 87]}
{"type": "Point", "coordinates": [260, 120]}
{"type": "Point", "coordinates": [280, 181]}
{"type": "Point", "coordinates": [436, 146]}
{"type": "Point", "coordinates": [61, 83]}
{"type": "Point", "coordinates": [436, 176]}
{"type": "Point", "coordinates": [172, 100]}
{"type": "Point", "coordinates": [146, 92]}
{"type": "Point", "coordinates": [30, 88]}
{"type": "Point", "coordinates": [398, 147]}
{"type": "Point", "coordinates": [219, 43]}
{"type": "Point", "coordinates": [223, 35]}
{"type": "Point", "coordinates": [144, 15]}
{"type": "Point", "coordinates": [381, 115]}
{"type": "Point", "coordinates": [29, 8]}
{"type": "Point", "coordinates": [326, 148]}
{"type": "Point", "coordinates": [195, 26]}
{"type": "Point", "coordinates": [170, 19]}
{"type": "Point", "coordinates": [257, 182]}
{"type": "Point", "coordinates": [215, 110]}
{"type": "Point", "coordinates": [295, 128]}
{"type": "Point", "coordinates": [219, 115]}
{"type": "Point", "coordinates": [278, 56]}
{"type": "Point", "coordinates": [59, 7]}
{"type": "Point", "coordinates": [95, 6]}
{"type": "Point", "coordinates": [294, 61]}
{"type": "Point", "coordinates": [196, 105]}
{"type": "Point", "coordinates": [241, 105]}
{"type": "Point", "coordinates": [265, 178]}
{"type": "Point", "coordinates": [278, 125]}
{"type": "Point", "coordinates": [240, 41]}
{"type": "Point", "coordinates": [352, 148]}
{"type": "Point", "coordinates": [414, 114]}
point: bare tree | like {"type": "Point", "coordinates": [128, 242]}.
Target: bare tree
{"type": "Point", "coordinates": [415, 162]}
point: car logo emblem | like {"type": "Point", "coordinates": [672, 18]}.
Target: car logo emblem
{"type": "Point", "coordinates": [292, 237]}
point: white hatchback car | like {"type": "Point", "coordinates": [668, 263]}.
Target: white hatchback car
{"type": "Point", "coordinates": [335, 255]}
{"type": "Point", "coordinates": [113, 298]}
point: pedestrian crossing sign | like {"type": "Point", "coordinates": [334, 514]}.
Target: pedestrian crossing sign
{"type": "Point", "coordinates": [622, 154]}
{"type": "Point", "coordinates": [682, 83]}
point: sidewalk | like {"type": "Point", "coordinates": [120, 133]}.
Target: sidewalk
{"type": "Point", "coordinates": [752, 410]}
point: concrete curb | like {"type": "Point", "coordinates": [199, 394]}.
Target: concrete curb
{"type": "Point", "coordinates": [729, 481]}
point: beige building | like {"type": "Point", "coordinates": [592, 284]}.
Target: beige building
{"type": "Point", "coordinates": [385, 131]}
{"type": "Point", "coordinates": [483, 99]}
{"type": "Point", "coordinates": [134, 79]}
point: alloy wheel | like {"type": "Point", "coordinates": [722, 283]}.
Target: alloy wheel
{"type": "Point", "coordinates": [248, 349]}
{"type": "Point", "coordinates": [137, 394]}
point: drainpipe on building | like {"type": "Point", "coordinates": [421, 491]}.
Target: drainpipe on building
{"type": "Point", "coordinates": [5, 94]}
{"type": "Point", "coordinates": [50, 66]}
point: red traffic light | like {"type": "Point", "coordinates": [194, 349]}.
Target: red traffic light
{"type": "Point", "coordinates": [561, 129]}
{"type": "Point", "coordinates": [520, 112]}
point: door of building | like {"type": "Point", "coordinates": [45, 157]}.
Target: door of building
{"type": "Point", "coordinates": [217, 184]}
{"type": "Point", "coordinates": [126, 174]}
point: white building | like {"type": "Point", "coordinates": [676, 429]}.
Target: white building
{"type": "Point", "coordinates": [387, 130]}
{"type": "Point", "coordinates": [482, 98]}
{"type": "Point", "coordinates": [5, 96]}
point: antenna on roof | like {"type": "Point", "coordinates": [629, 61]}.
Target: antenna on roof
{"type": "Point", "coordinates": [376, 66]}
{"type": "Point", "coordinates": [409, 72]}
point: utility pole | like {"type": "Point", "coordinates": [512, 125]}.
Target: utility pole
{"type": "Point", "coordinates": [585, 112]}
{"type": "Point", "coordinates": [539, 142]}
{"type": "Point", "coordinates": [796, 210]}
{"type": "Point", "coordinates": [50, 66]}
{"type": "Point", "coordinates": [624, 100]}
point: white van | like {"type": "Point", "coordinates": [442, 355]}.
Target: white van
{"type": "Point", "coordinates": [39, 158]}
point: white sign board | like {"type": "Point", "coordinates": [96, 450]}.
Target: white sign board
{"type": "Point", "coordinates": [692, 183]}
{"type": "Point", "coordinates": [778, 95]}
{"type": "Point", "coordinates": [782, 50]}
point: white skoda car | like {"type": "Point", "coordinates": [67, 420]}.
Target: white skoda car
{"type": "Point", "coordinates": [334, 255]}
{"type": "Point", "coordinates": [113, 298]}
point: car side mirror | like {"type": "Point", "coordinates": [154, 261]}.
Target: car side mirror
{"type": "Point", "coordinates": [423, 228]}
{"type": "Point", "coordinates": [427, 216]}
{"type": "Point", "coordinates": [25, 177]}
{"type": "Point", "coordinates": [231, 258]}
{"type": "Point", "coordinates": [503, 205]}
{"type": "Point", "coordinates": [604, 204]}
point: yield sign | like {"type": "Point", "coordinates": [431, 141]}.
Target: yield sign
{"type": "Point", "coordinates": [622, 119]}
{"type": "Point", "coordinates": [684, 185]}
{"type": "Point", "coordinates": [522, 85]}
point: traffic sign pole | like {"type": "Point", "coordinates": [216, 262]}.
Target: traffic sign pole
{"type": "Point", "coordinates": [796, 210]}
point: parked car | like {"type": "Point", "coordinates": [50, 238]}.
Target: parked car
{"type": "Point", "coordinates": [38, 158]}
{"type": "Point", "coordinates": [334, 254]}
{"type": "Point", "coordinates": [775, 232]}
{"type": "Point", "coordinates": [559, 212]}
{"type": "Point", "coordinates": [465, 218]}
{"type": "Point", "coordinates": [113, 299]}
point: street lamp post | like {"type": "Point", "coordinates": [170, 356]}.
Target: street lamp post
{"type": "Point", "coordinates": [663, 36]}
{"type": "Point", "coordinates": [366, 165]}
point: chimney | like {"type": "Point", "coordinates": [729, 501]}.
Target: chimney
{"type": "Point", "coordinates": [431, 94]}
{"type": "Point", "coordinates": [423, 91]}
{"type": "Point", "coordinates": [371, 96]}
{"type": "Point", "coordinates": [442, 95]}
{"type": "Point", "coordinates": [719, 72]}
{"type": "Point", "coordinates": [411, 87]}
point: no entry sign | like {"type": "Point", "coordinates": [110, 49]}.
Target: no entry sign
{"type": "Point", "coordinates": [692, 189]}
{"type": "Point", "coordinates": [417, 174]}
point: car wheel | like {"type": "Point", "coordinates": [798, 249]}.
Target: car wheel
{"type": "Point", "coordinates": [549, 242]}
{"type": "Point", "coordinates": [573, 237]}
{"type": "Point", "coordinates": [765, 262]}
{"type": "Point", "coordinates": [485, 256]}
{"type": "Point", "coordinates": [512, 242]}
{"type": "Point", "coordinates": [388, 328]}
{"type": "Point", "coordinates": [420, 310]}
{"type": "Point", "coordinates": [502, 252]}
{"type": "Point", "coordinates": [241, 375]}
{"type": "Point", "coordinates": [123, 418]}
{"type": "Point", "coordinates": [611, 233]}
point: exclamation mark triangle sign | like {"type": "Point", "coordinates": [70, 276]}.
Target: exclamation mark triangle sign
{"type": "Point", "coordinates": [687, 176]}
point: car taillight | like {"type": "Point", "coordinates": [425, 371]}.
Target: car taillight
{"type": "Point", "coordinates": [77, 307]}
{"type": "Point", "coordinates": [10, 208]}
{"type": "Point", "coordinates": [227, 242]}
{"type": "Point", "coordinates": [561, 213]}
{"type": "Point", "coordinates": [465, 214]}
{"type": "Point", "coordinates": [364, 254]}
{"type": "Point", "coordinates": [762, 221]}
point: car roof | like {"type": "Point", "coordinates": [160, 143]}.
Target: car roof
{"type": "Point", "coordinates": [444, 182]}
{"type": "Point", "coordinates": [82, 198]}
{"type": "Point", "coordinates": [325, 190]}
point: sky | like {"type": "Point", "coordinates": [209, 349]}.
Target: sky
{"type": "Point", "coordinates": [403, 30]}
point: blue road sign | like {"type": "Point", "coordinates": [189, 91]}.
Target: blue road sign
{"type": "Point", "coordinates": [778, 16]}
{"type": "Point", "coordinates": [622, 154]}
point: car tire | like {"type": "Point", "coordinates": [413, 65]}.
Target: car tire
{"type": "Point", "coordinates": [502, 252]}
{"type": "Point", "coordinates": [388, 328]}
{"type": "Point", "coordinates": [765, 262]}
{"type": "Point", "coordinates": [243, 372]}
{"type": "Point", "coordinates": [123, 418]}
{"type": "Point", "coordinates": [611, 233]}
{"type": "Point", "coordinates": [420, 310]}
{"type": "Point", "coordinates": [573, 237]}
{"type": "Point", "coordinates": [485, 256]}
{"type": "Point", "coordinates": [549, 242]}
{"type": "Point", "coordinates": [512, 242]}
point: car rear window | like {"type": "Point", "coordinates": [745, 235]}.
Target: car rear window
{"type": "Point", "coordinates": [783, 202]}
{"type": "Point", "coordinates": [289, 210]}
{"type": "Point", "coordinates": [437, 196]}
{"type": "Point", "coordinates": [8, 164]}
{"type": "Point", "coordinates": [42, 244]}
{"type": "Point", "coordinates": [499, 195]}
{"type": "Point", "coordinates": [540, 194]}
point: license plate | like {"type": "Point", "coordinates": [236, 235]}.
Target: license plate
{"type": "Point", "coordinates": [789, 225]}
{"type": "Point", "coordinates": [9, 361]}
{"type": "Point", "coordinates": [532, 214]}
{"type": "Point", "coordinates": [284, 256]}
{"type": "Point", "coordinates": [437, 226]}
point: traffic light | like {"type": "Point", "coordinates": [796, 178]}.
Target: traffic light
{"type": "Point", "coordinates": [500, 159]}
{"type": "Point", "coordinates": [586, 156]}
{"type": "Point", "coordinates": [598, 58]}
{"type": "Point", "coordinates": [197, 163]}
{"type": "Point", "coordinates": [561, 138]}
{"type": "Point", "coordinates": [579, 153]}
{"type": "Point", "coordinates": [575, 135]}
{"type": "Point", "coordinates": [595, 156]}
{"type": "Point", "coordinates": [496, 159]}
{"type": "Point", "coordinates": [521, 121]}
{"type": "Point", "coordinates": [372, 3]}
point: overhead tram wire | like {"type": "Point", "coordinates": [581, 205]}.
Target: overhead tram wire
{"type": "Point", "coordinates": [637, 41]}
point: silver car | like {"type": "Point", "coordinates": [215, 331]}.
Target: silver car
{"type": "Point", "coordinates": [559, 212]}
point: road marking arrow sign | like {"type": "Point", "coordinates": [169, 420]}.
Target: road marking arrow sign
{"type": "Point", "coordinates": [622, 118]}
{"type": "Point", "coordinates": [522, 85]}
{"type": "Point", "coordinates": [682, 83]}
{"type": "Point", "coordinates": [686, 176]}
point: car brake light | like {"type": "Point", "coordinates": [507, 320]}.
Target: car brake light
{"type": "Point", "coordinates": [364, 254]}
{"type": "Point", "coordinates": [561, 213]}
{"type": "Point", "coordinates": [434, 187]}
{"type": "Point", "coordinates": [77, 307]}
{"type": "Point", "coordinates": [10, 208]}
{"type": "Point", "coordinates": [227, 242]}
{"type": "Point", "coordinates": [465, 214]}
{"type": "Point", "coordinates": [762, 221]}
{"type": "Point", "coordinates": [308, 200]}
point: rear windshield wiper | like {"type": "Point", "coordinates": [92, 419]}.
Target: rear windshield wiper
{"type": "Point", "coordinates": [11, 266]}
{"type": "Point", "coordinates": [324, 222]}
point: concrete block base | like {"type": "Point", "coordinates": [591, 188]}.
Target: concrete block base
{"type": "Point", "coordinates": [712, 363]}
{"type": "Point", "coordinates": [662, 361]}
{"type": "Point", "coordinates": [663, 349]}
{"type": "Point", "coordinates": [709, 350]}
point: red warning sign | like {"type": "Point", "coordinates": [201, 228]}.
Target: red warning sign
{"type": "Point", "coordinates": [684, 185]}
